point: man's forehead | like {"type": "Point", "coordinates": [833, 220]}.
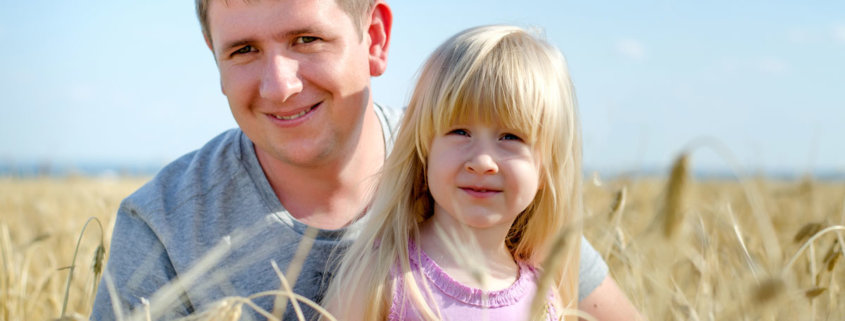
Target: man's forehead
{"type": "Point", "coordinates": [288, 14]}
{"type": "Point", "coordinates": [281, 9]}
{"type": "Point", "coordinates": [228, 3]}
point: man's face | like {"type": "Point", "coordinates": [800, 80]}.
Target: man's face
{"type": "Point", "coordinates": [296, 74]}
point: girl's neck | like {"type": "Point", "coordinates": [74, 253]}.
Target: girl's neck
{"type": "Point", "coordinates": [464, 249]}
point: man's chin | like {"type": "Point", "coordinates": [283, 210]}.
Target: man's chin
{"type": "Point", "coordinates": [308, 156]}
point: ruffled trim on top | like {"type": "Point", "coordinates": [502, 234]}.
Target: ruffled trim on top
{"type": "Point", "coordinates": [396, 302]}
{"type": "Point", "coordinates": [469, 295]}
{"type": "Point", "coordinates": [551, 312]}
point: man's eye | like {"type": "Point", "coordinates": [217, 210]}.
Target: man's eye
{"type": "Point", "coordinates": [306, 39]}
{"type": "Point", "coordinates": [243, 50]}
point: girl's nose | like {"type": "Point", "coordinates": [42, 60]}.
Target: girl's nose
{"type": "Point", "coordinates": [280, 79]}
{"type": "Point", "coordinates": [482, 162]}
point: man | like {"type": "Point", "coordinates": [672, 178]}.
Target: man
{"type": "Point", "coordinates": [220, 221]}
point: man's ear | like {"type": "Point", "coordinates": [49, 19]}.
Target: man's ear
{"type": "Point", "coordinates": [210, 48]}
{"type": "Point", "coordinates": [381, 20]}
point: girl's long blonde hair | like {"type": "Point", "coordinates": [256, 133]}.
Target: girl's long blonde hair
{"type": "Point", "coordinates": [500, 74]}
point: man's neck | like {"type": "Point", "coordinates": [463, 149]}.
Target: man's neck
{"type": "Point", "coordinates": [330, 195]}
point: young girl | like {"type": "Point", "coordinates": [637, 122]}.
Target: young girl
{"type": "Point", "coordinates": [484, 175]}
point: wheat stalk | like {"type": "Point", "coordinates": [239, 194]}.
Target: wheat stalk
{"type": "Point", "coordinates": [560, 247]}
{"type": "Point", "coordinates": [294, 269]}
{"type": "Point", "coordinates": [97, 266]}
{"type": "Point", "coordinates": [810, 242]}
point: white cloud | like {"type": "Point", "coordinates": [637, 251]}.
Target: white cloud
{"type": "Point", "coordinates": [819, 34]}
{"type": "Point", "coordinates": [838, 32]}
{"type": "Point", "coordinates": [800, 35]}
{"type": "Point", "coordinates": [772, 65]}
{"type": "Point", "coordinates": [631, 48]}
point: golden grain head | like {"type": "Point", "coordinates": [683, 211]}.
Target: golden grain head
{"type": "Point", "coordinates": [227, 309]}
{"type": "Point", "coordinates": [768, 290]}
{"type": "Point", "coordinates": [618, 202]}
{"type": "Point", "coordinates": [807, 231]}
{"type": "Point", "coordinates": [596, 179]}
{"type": "Point", "coordinates": [676, 189]}
{"type": "Point", "coordinates": [832, 262]}
{"type": "Point", "coordinates": [814, 292]}
{"type": "Point", "coordinates": [39, 238]}
{"type": "Point", "coordinates": [99, 257]}
{"type": "Point", "coordinates": [833, 254]}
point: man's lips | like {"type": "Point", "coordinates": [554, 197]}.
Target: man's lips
{"type": "Point", "coordinates": [295, 115]}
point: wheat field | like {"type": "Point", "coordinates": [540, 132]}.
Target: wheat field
{"type": "Point", "coordinates": [681, 248]}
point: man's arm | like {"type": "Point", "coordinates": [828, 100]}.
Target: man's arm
{"type": "Point", "coordinates": [138, 266]}
{"type": "Point", "coordinates": [608, 302]}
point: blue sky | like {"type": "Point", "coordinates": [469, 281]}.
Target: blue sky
{"type": "Point", "coordinates": [133, 83]}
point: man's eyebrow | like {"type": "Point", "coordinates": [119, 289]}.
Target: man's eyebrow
{"type": "Point", "coordinates": [234, 44]}
{"type": "Point", "coordinates": [300, 31]}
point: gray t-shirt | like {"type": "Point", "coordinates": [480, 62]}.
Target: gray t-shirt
{"type": "Point", "coordinates": [210, 225]}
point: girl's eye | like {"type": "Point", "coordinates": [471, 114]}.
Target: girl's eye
{"type": "Point", "coordinates": [511, 137]}
{"type": "Point", "coordinates": [306, 39]}
{"type": "Point", "coordinates": [461, 132]}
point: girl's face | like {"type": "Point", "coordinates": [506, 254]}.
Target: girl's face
{"type": "Point", "coordinates": [482, 175]}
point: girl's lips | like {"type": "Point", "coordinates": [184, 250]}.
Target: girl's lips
{"type": "Point", "coordinates": [480, 192]}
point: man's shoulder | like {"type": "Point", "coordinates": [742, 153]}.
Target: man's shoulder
{"type": "Point", "coordinates": [390, 119]}
{"type": "Point", "coordinates": [190, 175]}
{"type": "Point", "coordinates": [392, 116]}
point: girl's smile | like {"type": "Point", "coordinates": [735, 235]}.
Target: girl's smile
{"type": "Point", "coordinates": [481, 192]}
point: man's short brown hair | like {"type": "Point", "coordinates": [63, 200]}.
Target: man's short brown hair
{"type": "Point", "coordinates": [356, 9]}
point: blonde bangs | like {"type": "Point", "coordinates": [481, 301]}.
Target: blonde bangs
{"type": "Point", "coordinates": [503, 80]}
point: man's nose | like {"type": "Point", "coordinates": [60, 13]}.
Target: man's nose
{"type": "Point", "coordinates": [481, 160]}
{"type": "Point", "coordinates": [280, 79]}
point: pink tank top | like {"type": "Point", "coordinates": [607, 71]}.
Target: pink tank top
{"type": "Point", "coordinates": [456, 301]}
